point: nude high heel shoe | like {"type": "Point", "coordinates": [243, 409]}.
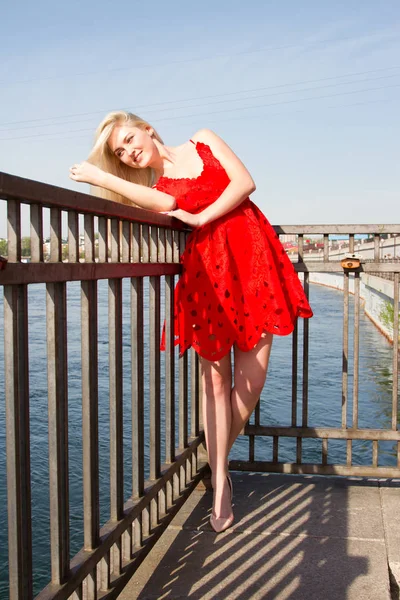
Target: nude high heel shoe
{"type": "Point", "coordinates": [220, 524]}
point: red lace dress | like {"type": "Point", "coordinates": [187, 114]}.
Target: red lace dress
{"type": "Point", "coordinates": [237, 280]}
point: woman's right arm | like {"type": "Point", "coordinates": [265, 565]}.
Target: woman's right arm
{"type": "Point", "coordinates": [141, 195]}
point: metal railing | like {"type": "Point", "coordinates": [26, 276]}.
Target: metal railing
{"type": "Point", "coordinates": [348, 431]}
{"type": "Point", "coordinates": [133, 244]}
{"type": "Point", "coordinates": [137, 246]}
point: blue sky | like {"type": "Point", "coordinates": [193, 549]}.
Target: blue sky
{"type": "Point", "coordinates": [305, 92]}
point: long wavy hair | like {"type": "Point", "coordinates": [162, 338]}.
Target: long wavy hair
{"type": "Point", "coordinates": [102, 156]}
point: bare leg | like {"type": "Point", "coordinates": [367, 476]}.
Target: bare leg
{"type": "Point", "coordinates": [225, 411]}
{"type": "Point", "coordinates": [216, 385]}
{"type": "Point", "coordinates": [249, 377]}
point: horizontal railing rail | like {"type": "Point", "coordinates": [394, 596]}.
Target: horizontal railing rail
{"type": "Point", "coordinates": [92, 239]}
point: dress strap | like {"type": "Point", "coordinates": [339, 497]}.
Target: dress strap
{"type": "Point", "coordinates": [192, 142]}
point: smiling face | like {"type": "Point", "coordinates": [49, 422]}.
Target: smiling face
{"type": "Point", "coordinates": [133, 146]}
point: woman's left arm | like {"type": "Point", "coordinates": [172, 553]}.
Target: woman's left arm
{"type": "Point", "coordinates": [240, 186]}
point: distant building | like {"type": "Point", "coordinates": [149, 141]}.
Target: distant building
{"type": "Point", "coordinates": [292, 237]}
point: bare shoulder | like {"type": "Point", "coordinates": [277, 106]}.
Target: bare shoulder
{"type": "Point", "coordinates": [208, 137]}
{"type": "Point", "coordinates": [226, 156]}
{"type": "Point", "coordinates": [219, 148]}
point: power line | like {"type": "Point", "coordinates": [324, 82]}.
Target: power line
{"type": "Point", "coordinates": [146, 106]}
{"type": "Point", "coordinates": [221, 111]}
{"type": "Point", "coordinates": [269, 115]}
{"type": "Point", "coordinates": [191, 60]}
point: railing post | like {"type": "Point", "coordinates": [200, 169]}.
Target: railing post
{"type": "Point", "coordinates": [17, 441]}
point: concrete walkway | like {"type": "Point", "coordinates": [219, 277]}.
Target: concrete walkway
{"type": "Point", "coordinates": [294, 537]}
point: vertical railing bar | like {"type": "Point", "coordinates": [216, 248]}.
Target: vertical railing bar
{"type": "Point", "coordinates": [294, 373]}
{"type": "Point", "coordinates": [115, 369]}
{"type": "Point", "coordinates": [55, 235]}
{"type": "Point", "coordinates": [138, 532]}
{"type": "Point", "coordinates": [116, 407]}
{"type": "Point", "coordinates": [326, 247]}
{"type": "Point", "coordinates": [155, 448]}
{"type": "Point", "coordinates": [351, 242]}
{"type": "Point", "coordinates": [115, 240]}
{"type": "Point", "coordinates": [155, 386]}
{"type": "Point", "coordinates": [169, 358]}
{"type": "Point", "coordinates": [194, 463]}
{"type": "Point", "coordinates": [395, 385]}
{"type": "Point", "coordinates": [294, 389]}
{"type": "Point", "coordinates": [356, 347]}
{"type": "Point", "coordinates": [251, 448]}
{"type": "Point", "coordinates": [127, 545]}
{"type": "Point", "coordinates": [137, 345]}
{"type": "Point", "coordinates": [90, 438]}
{"type": "Point", "coordinates": [36, 233]}
{"type": "Point", "coordinates": [182, 478]}
{"type": "Point", "coordinates": [16, 374]}
{"type": "Point", "coordinates": [154, 517]}
{"type": "Point", "coordinates": [89, 587]}
{"type": "Point", "coordinates": [145, 243]}
{"type": "Point", "coordinates": [73, 237]}
{"type": "Point", "coordinates": [103, 239]}
{"type": "Point", "coordinates": [376, 247]}
{"type": "Point", "coordinates": [201, 424]}
{"type": "Point", "coordinates": [175, 486]}
{"type": "Point", "coordinates": [300, 247]}
{"type": "Point", "coordinates": [135, 242]}
{"type": "Point", "coordinates": [188, 463]}
{"type": "Point", "coordinates": [252, 438]}
{"type": "Point", "coordinates": [305, 358]}
{"type": "Point", "coordinates": [58, 426]}
{"type": "Point", "coordinates": [183, 377]}
{"type": "Point", "coordinates": [125, 241]}
{"type": "Point", "coordinates": [13, 231]}
{"type": "Point", "coordinates": [298, 450]}
{"type": "Point", "coordinates": [104, 568]}
{"type": "Point", "coordinates": [162, 502]}
{"type": "Point", "coordinates": [116, 558]}
{"type": "Point", "coordinates": [349, 452]}
{"type": "Point", "coordinates": [275, 448]}
{"type": "Point", "coordinates": [175, 246]}
{"type": "Point", "coordinates": [88, 235]}
{"type": "Point", "coordinates": [300, 258]}
{"type": "Point", "coordinates": [146, 521]}
{"type": "Point", "coordinates": [374, 453]}
{"type": "Point", "coordinates": [161, 245]}
{"type": "Point", "coordinates": [194, 394]}
{"type": "Point", "coordinates": [345, 356]}
{"type": "Point", "coordinates": [183, 401]}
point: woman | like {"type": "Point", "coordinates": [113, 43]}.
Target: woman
{"type": "Point", "coordinates": [238, 286]}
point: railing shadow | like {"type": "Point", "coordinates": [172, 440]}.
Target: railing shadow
{"type": "Point", "coordinates": [293, 538]}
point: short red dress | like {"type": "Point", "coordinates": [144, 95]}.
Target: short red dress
{"type": "Point", "coordinates": [237, 280]}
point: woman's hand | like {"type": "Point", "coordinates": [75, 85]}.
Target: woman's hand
{"type": "Point", "coordinates": [86, 173]}
{"type": "Point", "coordinates": [186, 217]}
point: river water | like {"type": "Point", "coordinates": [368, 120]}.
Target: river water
{"type": "Point", "coordinates": [325, 364]}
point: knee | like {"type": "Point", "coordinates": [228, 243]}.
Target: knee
{"type": "Point", "coordinates": [216, 383]}
{"type": "Point", "coordinates": [250, 386]}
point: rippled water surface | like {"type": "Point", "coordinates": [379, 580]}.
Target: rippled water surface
{"type": "Point", "coordinates": [325, 381]}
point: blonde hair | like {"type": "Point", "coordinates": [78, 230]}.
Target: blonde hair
{"type": "Point", "coordinates": [102, 156]}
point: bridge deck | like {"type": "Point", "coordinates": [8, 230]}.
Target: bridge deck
{"type": "Point", "coordinates": [294, 537]}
